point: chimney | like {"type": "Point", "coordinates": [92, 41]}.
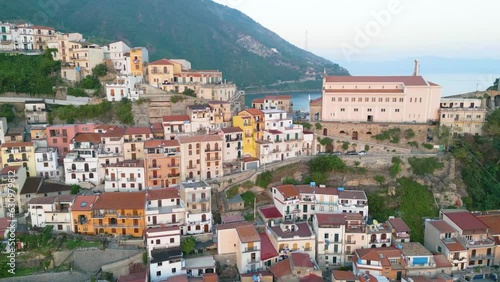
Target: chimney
{"type": "Point", "coordinates": [417, 68]}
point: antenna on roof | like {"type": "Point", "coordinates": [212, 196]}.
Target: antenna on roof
{"type": "Point", "coordinates": [416, 71]}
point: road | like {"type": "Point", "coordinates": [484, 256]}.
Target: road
{"type": "Point", "coordinates": [76, 102]}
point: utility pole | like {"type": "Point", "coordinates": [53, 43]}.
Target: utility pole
{"type": "Point", "coordinates": [254, 207]}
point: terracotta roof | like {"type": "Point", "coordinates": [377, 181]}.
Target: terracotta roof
{"type": "Point", "coordinates": [115, 132]}
{"type": "Point", "coordinates": [274, 131]}
{"type": "Point", "coordinates": [316, 101]}
{"type": "Point", "coordinates": [343, 275]}
{"type": "Point", "coordinates": [199, 138]}
{"type": "Point", "coordinates": [301, 231]}
{"type": "Point", "coordinates": [83, 203]}
{"type": "Point", "coordinates": [453, 245]}
{"type": "Point", "coordinates": [311, 278]}
{"type": "Point", "coordinates": [150, 232]}
{"type": "Point", "coordinates": [163, 193]}
{"type": "Point", "coordinates": [94, 138]}
{"type": "Point", "coordinates": [31, 185]}
{"type": "Point", "coordinates": [442, 226]}
{"type": "Point", "coordinates": [492, 221]}
{"type": "Point", "coordinates": [178, 278]}
{"type": "Point", "coordinates": [267, 249]}
{"type": "Point", "coordinates": [330, 219]}
{"type": "Point", "coordinates": [432, 83]}
{"type": "Point", "coordinates": [352, 194]}
{"type": "Point", "coordinates": [17, 144]}
{"type": "Point", "coordinates": [407, 80]}
{"type": "Point", "coordinates": [287, 191]}
{"type": "Point", "coordinates": [255, 112]}
{"type": "Point", "coordinates": [247, 233]}
{"type": "Point", "coordinates": [232, 129]}
{"type": "Point", "coordinates": [42, 27]}
{"type": "Point", "coordinates": [120, 200]}
{"type": "Point", "coordinates": [442, 261]}
{"type": "Point", "coordinates": [308, 189]}
{"type": "Point", "coordinates": [210, 277]}
{"type": "Point", "coordinates": [229, 218]}
{"type": "Point", "coordinates": [135, 277]}
{"type": "Point", "coordinates": [161, 62]}
{"type": "Point", "coordinates": [161, 143]}
{"type": "Point", "coordinates": [374, 253]}
{"type": "Point", "coordinates": [106, 127]}
{"type": "Point", "coordinates": [466, 221]}
{"type": "Point", "coordinates": [258, 100]}
{"type": "Point", "coordinates": [9, 170]}
{"type": "Point", "coordinates": [249, 159]}
{"type": "Point", "coordinates": [138, 130]}
{"type": "Point", "coordinates": [301, 260]}
{"type": "Point", "coordinates": [364, 91]}
{"type": "Point", "coordinates": [4, 224]}
{"type": "Point", "coordinates": [270, 212]}
{"type": "Point", "coordinates": [231, 225]}
{"type": "Point", "coordinates": [176, 118]}
{"type": "Point", "coordinates": [281, 269]}
{"type": "Point", "coordinates": [278, 97]}
{"type": "Point", "coordinates": [399, 225]}
{"type": "Point", "coordinates": [260, 273]}
{"type": "Point", "coordinates": [51, 200]}
{"type": "Point", "coordinates": [157, 127]}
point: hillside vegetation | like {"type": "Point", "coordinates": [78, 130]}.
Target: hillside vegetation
{"type": "Point", "coordinates": [208, 34]}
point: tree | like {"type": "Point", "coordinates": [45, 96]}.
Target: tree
{"type": "Point", "coordinates": [492, 126]}
{"type": "Point", "coordinates": [189, 92]}
{"type": "Point", "coordinates": [188, 245]}
{"type": "Point", "coordinates": [380, 179]}
{"type": "Point", "coordinates": [100, 70]}
{"type": "Point", "coordinates": [7, 111]}
{"type": "Point", "coordinates": [319, 177]}
{"type": "Point", "coordinates": [443, 135]}
{"type": "Point", "coordinates": [318, 126]}
{"type": "Point", "coordinates": [75, 189]}
{"type": "Point", "coordinates": [326, 164]}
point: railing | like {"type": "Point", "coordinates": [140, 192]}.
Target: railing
{"type": "Point", "coordinates": [174, 165]}
{"type": "Point", "coordinates": [213, 159]}
{"type": "Point", "coordinates": [350, 242]}
{"type": "Point", "coordinates": [253, 249]}
{"type": "Point", "coordinates": [191, 167]}
{"type": "Point", "coordinates": [155, 167]}
{"type": "Point", "coordinates": [45, 159]}
{"type": "Point", "coordinates": [131, 179]}
{"type": "Point", "coordinates": [248, 134]}
{"type": "Point", "coordinates": [174, 174]}
{"type": "Point", "coordinates": [213, 150]}
{"type": "Point", "coordinates": [252, 261]}
{"type": "Point", "coordinates": [155, 177]}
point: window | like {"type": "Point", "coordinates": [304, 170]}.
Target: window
{"type": "Point", "coordinates": [342, 109]}
{"type": "Point", "coordinates": [340, 99]}
{"type": "Point", "coordinates": [326, 235]}
{"type": "Point", "coordinates": [382, 110]}
{"type": "Point", "coordinates": [420, 100]}
{"type": "Point", "coordinates": [396, 110]}
{"type": "Point", "coordinates": [160, 263]}
{"type": "Point", "coordinates": [401, 99]}
{"type": "Point", "coordinates": [369, 110]}
{"type": "Point", "coordinates": [333, 99]}
{"type": "Point", "coordinates": [360, 99]}
{"type": "Point", "coordinates": [394, 99]}
{"type": "Point", "coordinates": [478, 116]}
{"type": "Point", "coordinates": [380, 99]}
{"type": "Point", "coordinates": [158, 273]}
{"type": "Point", "coordinates": [367, 99]}
{"type": "Point", "coordinates": [411, 100]}
{"type": "Point", "coordinates": [387, 99]}
{"type": "Point", "coordinates": [355, 109]}
{"type": "Point", "coordinates": [172, 240]}
{"type": "Point", "coordinates": [45, 164]}
{"type": "Point", "coordinates": [353, 99]}
{"type": "Point", "coordinates": [174, 270]}
{"type": "Point", "coordinates": [374, 99]}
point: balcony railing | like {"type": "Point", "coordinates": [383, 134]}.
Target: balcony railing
{"type": "Point", "coordinates": [131, 179]}
{"type": "Point", "coordinates": [213, 149]}
{"type": "Point", "coordinates": [253, 249]}
{"type": "Point", "coordinates": [213, 159]}
{"type": "Point", "coordinates": [174, 174]}
{"type": "Point", "coordinates": [252, 261]}
{"type": "Point", "coordinates": [155, 177]}
{"type": "Point", "coordinates": [154, 167]}
{"type": "Point", "coordinates": [350, 242]}
{"type": "Point", "coordinates": [174, 165]}
{"type": "Point", "coordinates": [45, 159]}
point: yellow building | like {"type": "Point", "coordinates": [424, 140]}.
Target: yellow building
{"type": "Point", "coordinates": [138, 56]}
{"type": "Point", "coordinates": [251, 121]}
{"type": "Point", "coordinates": [81, 214]}
{"type": "Point", "coordinates": [162, 71]}
{"type": "Point", "coordinates": [119, 213]}
{"type": "Point", "coordinates": [19, 154]}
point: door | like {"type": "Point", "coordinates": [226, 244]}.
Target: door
{"type": "Point", "coordinates": [124, 231]}
{"type": "Point", "coordinates": [174, 218]}
{"type": "Point", "coordinates": [398, 276]}
{"type": "Point", "coordinates": [304, 208]}
{"type": "Point", "coordinates": [209, 175]}
{"type": "Point", "coordinates": [83, 177]}
{"type": "Point", "coordinates": [206, 228]}
{"type": "Point", "coordinates": [354, 135]}
{"type": "Point", "coordinates": [154, 220]}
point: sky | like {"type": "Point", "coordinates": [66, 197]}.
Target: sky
{"type": "Point", "coordinates": [373, 30]}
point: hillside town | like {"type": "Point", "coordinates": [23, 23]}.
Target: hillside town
{"type": "Point", "coordinates": [158, 187]}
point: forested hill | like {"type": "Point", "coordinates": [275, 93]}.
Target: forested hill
{"type": "Point", "coordinates": [210, 35]}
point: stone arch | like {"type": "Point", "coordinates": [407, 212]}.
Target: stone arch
{"type": "Point", "coordinates": [342, 132]}
{"type": "Point", "coordinates": [369, 133]}
{"type": "Point", "coordinates": [355, 135]}
{"type": "Point", "coordinates": [325, 132]}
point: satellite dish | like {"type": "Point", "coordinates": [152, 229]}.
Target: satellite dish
{"type": "Point", "coordinates": [375, 222]}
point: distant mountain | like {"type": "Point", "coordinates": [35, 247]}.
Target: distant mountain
{"type": "Point", "coordinates": [210, 35]}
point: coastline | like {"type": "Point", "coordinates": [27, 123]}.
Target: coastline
{"type": "Point", "coordinates": [269, 92]}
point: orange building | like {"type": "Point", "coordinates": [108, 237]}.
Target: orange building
{"type": "Point", "coordinates": [388, 262]}
{"type": "Point", "coordinates": [81, 213]}
{"type": "Point", "coordinates": [162, 163]}
{"type": "Point", "coordinates": [119, 213]}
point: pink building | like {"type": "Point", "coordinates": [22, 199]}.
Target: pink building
{"type": "Point", "coordinates": [60, 136]}
{"type": "Point", "coordinates": [398, 99]}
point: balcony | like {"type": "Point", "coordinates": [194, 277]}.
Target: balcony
{"type": "Point", "coordinates": [191, 167]}
{"type": "Point", "coordinates": [22, 150]}
{"type": "Point", "coordinates": [350, 242]}
{"type": "Point", "coordinates": [213, 150]}
{"type": "Point", "coordinates": [173, 165]}
{"type": "Point", "coordinates": [253, 260]}
{"type": "Point", "coordinates": [155, 167]}
{"type": "Point", "coordinates": [155, 177]}
{"type": "Point", "coordinates": [248, 135]}
{"type": "Point", "coordinates": [17, 160]}
{"type": "Point", "coordinates": [253, 249]}
{"type": "Point", "coordinates": [174, 174]}
{"type": "Point", "coordinates": [131, 179]}
{"type": "Point", "coordinates": [483, 242]}
{"type": "Point", "coordinates": [213, 159]}
{"type": "Point", "coordinates": [308, 199]}
{"type": "Point", "coordinates": [45, 159]}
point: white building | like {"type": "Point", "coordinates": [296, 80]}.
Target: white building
{"type": "Point", "coordinates": [3, 129]}
{"type": "Point", "coordinates": [110, 151]}
{"type": "Point", "coordinates": [55, 211]}
{"type": "Point", "coordinates": [176, 125]}
{"type": "Point", "coordinates": [329, 229]}
{"type": "Point", "coordinates": [23, 37]}
{"type": "Point", "coordinates": [36, 112]}
{"type": "Point", "coordinates": [124, 87]}
{"type": "Point", "coordinates": [288, 237]}
{"type": "Point", "coordinates": [162, 238]}
{"type": "Point", "coordinates": [308, 144]}
{"type": "Point", "coordinates": [165, 263]}
{"type": "Point", "coordinates": [165, 208]}
{"type": "Point", "coordinates": [200, 116]}
{"type": "Point", "coordinates": [233, 148]}
{"type": "Point", "coordinates": [80, 164]}
{"type": "Point", "coordinates": [46, 162]}
{"type": "Point", "coordinates": [351, 201]}
{"type": "Point", "coordinates": [116, 52]}
{"type": "Point", "coordinates": [124, 176]}
{"type": "Point", "coordinates": [12, 179]}
{"type": "Point", "coordinates": [6, 43]}
{"type": "Point", "coordinates": [197, 197]}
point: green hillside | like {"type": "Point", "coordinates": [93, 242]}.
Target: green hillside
{"type": "Point", "coordinates": [210, 35]}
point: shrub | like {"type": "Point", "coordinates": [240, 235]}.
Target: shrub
{"type": "Point", "coordinates": [75, 189]}
{"type": "Point", "coordinates": [428, 146]}
{"type": "Point", "coordinates": [380, 179]}
{"type": "Point", "coordinates": [395, 168]}
{"type": "Point", "coordinates": [367, 147]}
{"type": "Point", "coordinates": [326, 141]}
{"type": "Point", "coordinates": [393, 135]}
{"type": "Point", "coordinates": [233, 191]}
{"type": "Point", "coordinates": [319, 177]}
{"type": "Point", "coordinates": [413, 144]}
{"type": "Point", "coordinates": [177, 98]}
{"type": "Point", "coordinates": [423, 166]}
{"type": "Point", "coordinates": [77, 92]}
{"type": "Point", "coordinates": [318, 126]}
{"type": "Point", "coordinates": [248, 184]}
{"type": "Point", "coordinates": [306, 125]}
{"type": "Point", "coordinates": [188, 245]}
{"type": "Point", "coordinates": [409, 133]}
{"type": "Point", "coordinates": [7, 111]}
{"type": "Point", "coordinates": [189, 92]}
{"type": "Point", "coordinates": [289, 180]}
{"type": "Point", "coordinates": [264, 179]}
{"type": "Point", "coordinates": [345, 145]}
{"type": "Point", "coordinates": [100, 70]}
{"type": "Point", "coordinates": [326, 164]}
{"type": "Point", "coordinates": [248, 197]}
{"type": "Point", "coordinates": [356, 163]}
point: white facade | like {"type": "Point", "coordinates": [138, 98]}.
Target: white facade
{"type": "Point", "coordinates": [23, 37]}
{"type": "Point", "coordinates": [165, 208]}
{"type": "Point", "coordinates": [6, 43]}
{"type": "Point", "coordinates": [200, 116]}
{"type": "Point", "coordinates": [329, 230]}
{"type": "Point", "coordinates": [3, 129]}
{"type": "Point", "coordinates": [166, 263]}
{"type": "Point", "coordinates": [116, 53]}
{"type": "Point", "coordinates": [125, 176]}
{"type": "Point", "coordinates": [162, 238]}
{"type": "Point", "coordinates": [53, 211]}
{"type": "Point", "coordinates": [11, 180]}
{"type": "Point", "coordinates": [46, 162]}
{"type": "Point", "coordinates": [198, 199]}
{"type": "Point", "coordinates": [80, 165]}
{"type": "Point", "coordinates": [233, 148]}
{"type": "Point", "coordinates": [353, 202]}
{"type": "Point", "coordinates": [124, 87]}
{"type": "Point", "coordinates": [36, 112]}
{"type": "Point", "coordinates": [308, 144]}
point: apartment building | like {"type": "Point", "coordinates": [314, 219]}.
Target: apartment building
{"type": "Point", "coordinates": [221, 91]}
{"type": "Point", "coordinates": [63, 43]}
{"type": "Point", "coordinates": [47, 163]}
{"type": "Point", "coordinates": [201, 157]}
{"type": "Point", "coordinates": [54, 211]}
{"type": "Point", "coordinates": [274, 102]}
{"type": "Point", "coordinates": [352, 201]}
{"type": "Point", "coordinates": [162, 238]}
{"type": "Point", "coordinates": [315, 109]}
{"type": "Point", "coordinates": [36, 187]}
{"type": "Point", "coordinates": [110, 150]}
{"type": "Point", "coordinates": [288, 237]}
{"type": "Point", "coordinates": [81, 214]}
{"type": "Point", "coordinates": [43, 35]}
{"type": "Point", "coordinates": [116, 52]}
{"type": "Point", "coordinates": [125, 176]}
{"type": "Point", "coordinates": [133, 146]}
{"type": "Point", "coordinates": [421, 262]}
{"type": "Point", "coordinates": [177, 125]}
{"type": "Point", "coordinates": [162, 163]}
{"type": "Point", "coordinates": [19, 154]}
{"type": "Point", "coordinates": [297, 267]}
{"type": "Point", "coordinates": [251, 121]}
{"type": "Point", "coordinates": [37, 135]}
{"type": "Point", "coordinates": [119, 213]}
{"type": "Point", "coordinates": [165, 208]}
{"type": "Point", "coordinates": [221, 114]}
{"type": "Point", "coordinates": [124, 87]}
{"type": "Point", "coordinates": [388, 262]}
{"type": "Point", "coordinates": [400, 230]}
{"type": "Point", "coordinates": [23, 37]}
{"type": "Point", "coordinates": [398, 99]}
{"type": "Point", "coordinates": [60, 136]}
{"type": "Point", "coordinates": [491, 219]}
{"type": "Point", "coordinates": [241, 239]}
{"type": "Point", "coordinates": [139, 56]}
{"type": "Point", "coordinates": [36, 112]}
{"type": "Point", "coordinates": [166, 263]}
{"type": "Point", "coordinates": [233, 138]}
{"type": "Point", "coordinates": [464, 116]}
{"type": "Point", "coordinates": [80, 165]}
{"type": "Point", "coordinates": [308, 143]}
{"type": "Point", "coordinates": [162, 72]}
{"type": "Point", "coordinates": [6, 40]}
{"type": "Point", "coordinates": [330, 232]}
{"type": "Point", "coordinates": [12, 179]}
{"type": "Point", "coordinates": [197, 198]}
{"type": "Point", "coordinates": [201, 116]}
{"type": "Point", "coordinates": [15, 135]}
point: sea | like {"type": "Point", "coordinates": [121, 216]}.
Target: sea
{"type": "Point", "coordinates": [300, 100]}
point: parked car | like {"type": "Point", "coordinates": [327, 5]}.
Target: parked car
{"type": "Point", "coordinates": [362, 153]}
{"type": "Point", "coordinates": [337, 153]}
{"type": "Point", "coordinates": [351, 153]}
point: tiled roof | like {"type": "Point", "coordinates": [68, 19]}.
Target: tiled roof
{"type": "Point", "coordinates": [375, 253]}
{"type": "Point", "coordinates": [278, 97]}
{"type": "Point", "coordinates": [330, 219]}
{"type": "Point", "coordinates": [364, 91]}
{"type": "Point", "coordinates": [31, 185]}
{"type": "Point", "coordinates": [343, 275]}
{"type": "Point", "coordinates": [231, 225]}
{"type": "Point", "coordinates": [466, 220]}
{"type": "Point", "coordinates": [267, 249]}
{"type": "Point", "coordinates": [407, 80]}
{"type": "Point", "coordinates": [302, 231]}
{"type": "Point", "coordinates": [492, 221]}
{"type": "Point", "coordinates": [311, 278]}
{"type": "Point", "coordinates": [281, 269]}
{"type": "Point", "coordinates": [178, 278]}
{"type": "Point", "coordinates": [442, 261]}
{"type": "Point", "coordinates": [210, 277]}
{"type": "Point", "coordinates": [287, 190]}
{"type": "Point", "coordinates": [94, 138]}
{"type": "Point", "coordinates": [42, 27]}
{"type": "Point", "coordinates": [270, 212]}
{"type": "Point", "coordinates": [9, 170]}
{"type": "Point", "coordinates": [83, 203]}
{"type": "Point", "coordinates": [274, 131]}
{"type": "Point", "coordinates": [453, 245]}
{"type": "Point", "coordinates": [301, 260]}
{"type": "Point", "coordinates": [352, 194]}
{"type": "Point", "coordinates": [317, 101]}
{"type": "Point", "coordinates": [161, 143]}
{"type": "Point", "coordinates": [229, 218]}
{"type": "Point", "coordinates": [235, 200]}
{"type": "Point", "coordinates": [307, 189]}
{"type": "Point", "coordinates": [150, 232]}
{"type": "Point", "coordinates": [255, 112]}
{"type": "Point", "coordinates": [231, 130]}
{"type": "Point", "coordinates": [176, 118]}
{"type": "Point", "coordinates": [163, 193]}
{"type": "Point", "coordinates": [399, 225]}
{"type": "Point", "coordinates": [137, 130]}
{"type": "Point", "coordinates": [115, 132]}
{"type": "Point", "coordinates": [442, 226]}
{"type": "Point", "coordinates": [135, 277]}
{"type": "Point", "coordinates": [17, 144]}
{"type": "Point", "coordinates": [161, 62]}
{"type": "Point", "coordinates": [120, 200]}
{"type": "Point", "coordinates": [258, 100]}
{"type": "Point", "coordinates": [51, 200]}
{"type": "Point", "coordinates": [4, 224]}
{"type": "Point", "coordinates": [247, 233]}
